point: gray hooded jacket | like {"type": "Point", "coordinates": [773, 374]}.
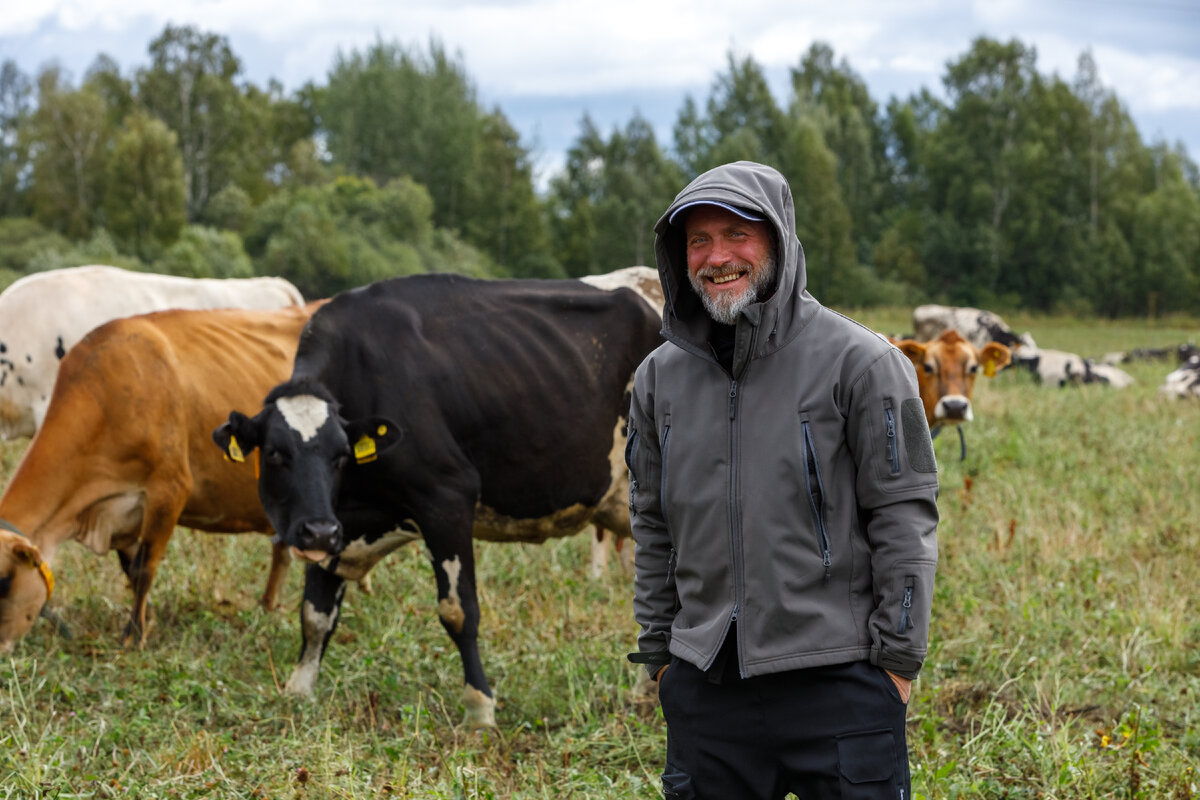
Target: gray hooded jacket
{"type": "Point", "coordinates": [796, 494]}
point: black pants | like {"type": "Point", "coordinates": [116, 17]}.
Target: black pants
{"type": "Point", "coordinates": [822, 733]}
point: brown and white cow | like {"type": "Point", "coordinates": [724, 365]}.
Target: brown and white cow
{"type": "Point", "coordinates": [125, 453]}
{"type": "Point", "coordinates": [645, 282]}
{"type": "Point", "coordinates": [946, 370]}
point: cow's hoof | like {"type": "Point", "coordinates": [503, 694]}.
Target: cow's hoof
{"type": "Point", "coordinates": [301, 683]}
{"type": "Point", "coordinates": [480, 709]}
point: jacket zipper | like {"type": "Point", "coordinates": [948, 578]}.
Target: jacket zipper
{"type": "Point", "coordinates": [906, 606]}
{"type": "Point", "coordinates": [816, 494]}
{"type": "Point", "coordinates": [893, 451]}
{"type": "Point", "coordinates": [735, 525]}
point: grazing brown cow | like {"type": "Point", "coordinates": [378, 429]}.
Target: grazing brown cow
{"type": "Point", "coordinates": [125, 452]}
{"type": "Point", "coordinates": [946, 370]}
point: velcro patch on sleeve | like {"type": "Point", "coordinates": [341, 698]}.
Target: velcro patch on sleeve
{"type": "Point", "coordinates": [917, 441]}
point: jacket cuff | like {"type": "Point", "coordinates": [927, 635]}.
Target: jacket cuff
{"type": "Point", "coordinates": [904, 666]}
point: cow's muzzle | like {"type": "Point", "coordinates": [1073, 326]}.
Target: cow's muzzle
{"type": "Point", "coordinates": [317, 538]}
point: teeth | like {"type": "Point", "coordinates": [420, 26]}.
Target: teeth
{"type": "Point", "coordinates": [733, 276]}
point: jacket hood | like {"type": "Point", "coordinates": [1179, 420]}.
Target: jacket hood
{"type": "Point", "coordinates": [761, 190]}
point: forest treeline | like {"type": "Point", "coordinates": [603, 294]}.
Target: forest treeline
{"type": "Point", "coordinates": [1010, 189]}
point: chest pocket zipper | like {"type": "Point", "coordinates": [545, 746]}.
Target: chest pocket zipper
{"type": "Point", "coordinates": [630, 457]}
{"type": "Point", "coordinates": [816, 494]}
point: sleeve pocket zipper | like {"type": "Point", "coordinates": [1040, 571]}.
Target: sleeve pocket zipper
{"type": "Point", "coordinates": [893, 449]}
{"type": "Point", "coordinates": [906, 621]}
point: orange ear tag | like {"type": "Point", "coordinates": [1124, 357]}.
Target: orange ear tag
{"type": "Point", "coordinates": [48, 577]}
{"type": "Point", "coordinates": [255, 465]}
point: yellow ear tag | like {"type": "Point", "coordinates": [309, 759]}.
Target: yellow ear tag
{"type": "Point", "coordinates": [235, 451]}
{"type": "Point", "coordinates": [989, 368]}
{"type": "Point", "coordinates": [364, 450]}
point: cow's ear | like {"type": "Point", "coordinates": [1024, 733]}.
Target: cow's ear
{"type": "Point", "coordinates": [993, 356]}
{"type": "Point", "coordinates": [371, 436]}
{"type": "Point", "coordinates": [913, 349]}
{"type": "Point", "coordinates": [237, 436]}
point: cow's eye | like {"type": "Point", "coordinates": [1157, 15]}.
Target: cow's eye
{"type": "Point", "coordinates": [973, 369]}
{"type": "Point", "coordinates": [929, 370]}
{"type": "Point", "coordinates": [274, 456]}
{"type": "Point", "coordinates": [340, 460]}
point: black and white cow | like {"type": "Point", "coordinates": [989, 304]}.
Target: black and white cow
{"type": "Point", "coordinates": [441, 407]}
{"type": "Point", "coordinates": [975, 325]}
{"type": "Point", "coordinates": [1184, 381]}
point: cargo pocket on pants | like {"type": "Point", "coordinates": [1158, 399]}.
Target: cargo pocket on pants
{"type": "Point", "coordinates": [677, 785]}
{"type": "Point", "coordinates": [867, 762]}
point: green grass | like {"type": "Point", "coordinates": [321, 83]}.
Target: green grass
{"type": "Point", "coordinates": [1064, 661]}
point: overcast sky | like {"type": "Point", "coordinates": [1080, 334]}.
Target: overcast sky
{"type": "Point", "coordinates": [545, 63]}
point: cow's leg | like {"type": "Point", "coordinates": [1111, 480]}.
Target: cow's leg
{"type": "Point", "coordinates": [323, 592]}
{"type": "Point", "coordinates": [453, 561]}
{"type": "Point", "coordinates": [601, 537]}
{"type": "Point", "coordinates": [281, 556]}
{"type": "Point", "coordinates": [140, 564]}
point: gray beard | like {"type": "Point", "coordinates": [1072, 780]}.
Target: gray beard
{"type": "Point", "coordinates": [726, 310]}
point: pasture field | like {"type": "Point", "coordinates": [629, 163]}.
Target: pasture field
{"type": "Point", "coordinates": [1064, 660]}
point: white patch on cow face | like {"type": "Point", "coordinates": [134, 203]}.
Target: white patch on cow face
{"type": "Point", "coordinates": [304, 414]}
{"type": "Point", "coordinates": [450, 607]}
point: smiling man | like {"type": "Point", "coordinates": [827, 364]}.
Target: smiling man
{"type": "Point", "coordinates": [783, 500]}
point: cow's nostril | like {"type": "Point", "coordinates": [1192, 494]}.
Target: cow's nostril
{"type": "Point", "coordinates": [955, 408]}
{"type": "Point", "coordinates": [320, 534]}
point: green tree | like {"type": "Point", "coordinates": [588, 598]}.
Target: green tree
{"type": "Point", "coordinates": [853, 130]}
{"type": "Point", "coordinates": [202, 252]}
{"type": "Point", "coordinates": [190, 85]}
{"type": "Point", "coordinates": [16, 107]}
{"type": "Point", "coordinates": [609, 196]}
{"type": "Point", "coordinates": [391, 111]}
{"type": "Point", "coordinates": [71, 131]}
{"type": "Point", "coordinates": [144, 198]}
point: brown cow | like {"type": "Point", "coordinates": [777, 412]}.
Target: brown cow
{"type": "Point", "coordinates": [125, 453]}
{"type": "Point", "coordinates": [946, 370]}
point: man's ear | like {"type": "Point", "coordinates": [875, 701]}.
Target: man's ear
{"type": "Point", "coordinates": [238, 436]}
{"type": "Point", "coordinates": [371, 436]}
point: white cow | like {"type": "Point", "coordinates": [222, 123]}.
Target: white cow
{"type": "Point", "coordinates": [42, 315]}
